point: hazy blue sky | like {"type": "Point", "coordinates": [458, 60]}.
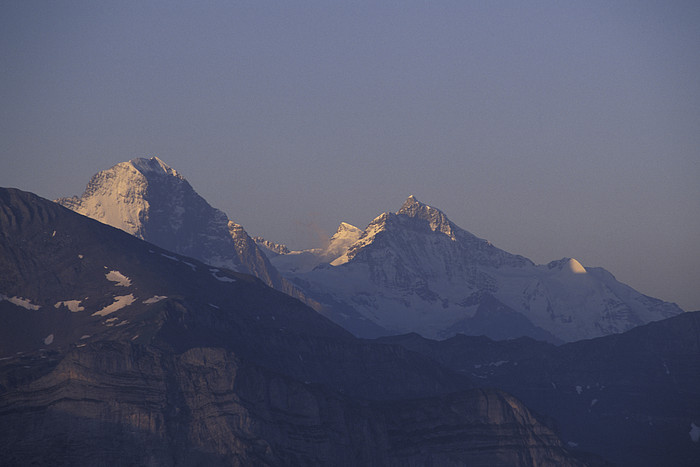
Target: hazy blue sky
{"type": "Point", "coordinates": [550, 128]}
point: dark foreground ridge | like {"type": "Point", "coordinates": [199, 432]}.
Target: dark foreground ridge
{"type": "Point", "coordinates": [116, 352]}
{"type": "Point", "coordinates": [633, 398]}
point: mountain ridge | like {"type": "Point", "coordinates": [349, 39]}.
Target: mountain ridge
{"type": "Point", "coordinates": [632, 397]}
{"type": "Point", "coordinates": [205, 365]}
{"type": "Point", "coordinates": [149, 199]}
{"type": "Point", "coordinates": [415, 270]}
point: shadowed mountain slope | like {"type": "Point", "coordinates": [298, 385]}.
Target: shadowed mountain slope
{"type": "Point", "coordinates": [633, 398]}
{"type": "Point", "coordinates": [114, 351]}
{"type": "Point", "coordinates": [152, 201]}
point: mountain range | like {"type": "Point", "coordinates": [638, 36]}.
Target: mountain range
{"type": "Point", "coordinates": [172, 337]}
{"type": "Point", "coordinates": [416, 271]}
{"type": "Point", "coordinates": [114, 351]}
{"type": "Point", "coordinates": [633, 397]}
{"type": "Point", "coordinates": [409, 271]}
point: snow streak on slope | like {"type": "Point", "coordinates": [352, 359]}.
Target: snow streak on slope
{"type": "Point", "coordinates": [20, 301]}
{"type": "Point", "coordinates": [119, 303]}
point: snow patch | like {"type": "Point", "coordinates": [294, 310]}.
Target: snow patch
{"type": "Point", "coordinates": [85, 336]}
{"type": "Point", "coordinates": [571, 444]}
{"type": "Point", "coordinates": [119, 278]}
{"type": "Point", "coordinates": [154, 299]}
{"type": "Point", "coordinates": [119, 303]}
{"type": "Point", "coordinates": [498, 363]}
{"type": "Point", "coordinates": [72, 305]}
{"type": "Point", "coordinates": [223, 278]}
{"type": "Point", "coordinates": [20, 301]}
{"type": "Point", "coordinates": [579, 389]}
{"type": "Point", "coordinates": [169, 257]}
{"type": "Point", "coordinates": [694, 433]}
{"type": "Point", "coordinates": [48, 340]}
{"type": "Point", "coordinates": [214, 306]}
{"type": "Point", "coordinates": [594, 402]}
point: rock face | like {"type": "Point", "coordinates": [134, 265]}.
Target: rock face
{"type": "Point", "coordinates": [116, 352]}
{"type": "Point", "coordinates": [632, 398]}
{"type": "Point", "coordinates": [119, 404]}
{"type": "Point", "coordinates": [416, 271]}
{"type": "Point", "coordinates": [153, 202]}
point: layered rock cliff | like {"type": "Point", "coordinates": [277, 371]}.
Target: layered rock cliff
{"type": "Point", "coordinates": [116, 352]}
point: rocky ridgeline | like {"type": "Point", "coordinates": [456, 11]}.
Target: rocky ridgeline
{"type": "Point", "coordinates": [207, 366]}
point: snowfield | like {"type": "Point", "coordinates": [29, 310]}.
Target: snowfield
{"type": "Point", "coordinates": [19, 301]}
{"type": "Point", "coordinates": [119, 303]}
{"type": "Point", "coordinates": [119, 278]}
{"type": "Point", "coordinates": [72, 305]}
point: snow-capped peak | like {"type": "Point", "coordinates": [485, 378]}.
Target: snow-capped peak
{"type": "Point", "coordinates": [345, 236]}
{"type": "Point", "coordinates": [575, 267]}
{"type": "Point", "coordinates": [152, 201]}
{"type": "Point", "coordinates": [152, 166]}
{"type": "Point", "coordinates": [346, 232]}
{"type": "Point", "coordinates": [436, 219]}
{"type": "Point", "coordinates": [345, 227]}
{"type": "Point", "coordinates": [570, 265]}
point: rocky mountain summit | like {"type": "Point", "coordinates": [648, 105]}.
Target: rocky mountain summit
{"type": "Point", "coordinates": [416, 271]}
{"type": "Point", "coordinates": [152, 201]}
{"type": "Point", "coordinates": [409, 271]}
{"type": "Point", "coordinates": [114, 351]}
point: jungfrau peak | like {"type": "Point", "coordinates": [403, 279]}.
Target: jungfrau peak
{"type": "Point", "coordinates": [416, 271]}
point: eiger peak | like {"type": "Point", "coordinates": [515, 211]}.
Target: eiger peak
{"type": "Point", "coordinates": [153, 165]}
{"type": "Point", "coordinates": [152, 201]}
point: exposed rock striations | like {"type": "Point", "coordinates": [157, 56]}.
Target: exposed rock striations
{"type": "Point", "coordinates": [632, 398]}
{"type": "Point", "coordinates": [205, 366]}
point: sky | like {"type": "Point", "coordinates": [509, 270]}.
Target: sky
{"type": "Point", "coordinates": [553, 129]}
